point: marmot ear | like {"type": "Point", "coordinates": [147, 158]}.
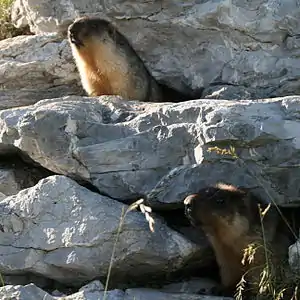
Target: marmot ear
{"type": "Point", "coordinates": [111, 30]}
{"type": "Point", "coordinates": [227, 187]}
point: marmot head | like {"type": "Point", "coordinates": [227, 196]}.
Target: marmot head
{"type": "Point", "coordinates": [221, 204]}
{"type": "Point", "coordinates": [86, 28]}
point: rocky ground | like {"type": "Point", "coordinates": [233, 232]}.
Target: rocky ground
{"type": "Point", "coordinates": [70, 165]}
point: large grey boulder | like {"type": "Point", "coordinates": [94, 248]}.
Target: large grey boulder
{"type": "Point", "coordinates": [232, 49]}
{"type": "Point", "coordinates": [34, 68]}
{"type": "Point", "coordinates": [61, 230]}
{"type": "Point", "coordinates": [31, 292]}
{"type": "Point", "coordinates": [95, 295]}
{"type": "Point", "coordinates": [149, 294]}
{"type": "Point", "coordinates": [129, 149]}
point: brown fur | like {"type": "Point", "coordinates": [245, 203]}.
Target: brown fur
{"type": "Point", "coordinates": [230, 218]}
{"type": "Point", "coordinates": [107, 63]}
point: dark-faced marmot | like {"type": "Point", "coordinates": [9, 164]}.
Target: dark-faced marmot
{"type": "Point", "coordinates": [232, 221]}
{"type": "Point", "coordinates": [107, 63]}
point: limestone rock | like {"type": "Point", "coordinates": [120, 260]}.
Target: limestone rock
{"type": "Point", "coordinates": [16, 174]}
{"type": "Point", "coordinates": [149, 294]}
{"type": "Point", "coordinates": [62, 231]}
{"type": "Point", "coordinates": [95, 295]}
{"type": "Point", "coordinates": [191, 286]}
{"type": "Point", "coordinates": [8, 183]}
{"type": "Point", "coordinates": [92, 286]}
{"type": "Point", "coordinates": [27, 292]}
{"type": "Point", "coordinates": [31, 292]}
{"type": "Point", "coordinates": [34, 68]}
{"type": "Point", "coordinates": [129, 149]}
{"type": "Point", "coordinates": [195, 45]}
{"type": "Point", "coordinates": [294, 257]}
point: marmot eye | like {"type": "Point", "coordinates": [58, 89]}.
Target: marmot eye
{"type": "Point", "coordinates": [220, 200]}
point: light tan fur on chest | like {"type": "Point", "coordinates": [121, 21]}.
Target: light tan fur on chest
{"type": "Point", "coordinates": [103, 70]}
{"type": "Point", "coordinates": [229, 242]}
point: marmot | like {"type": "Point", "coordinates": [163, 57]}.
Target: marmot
{"type": "Point", "coordinates": [107, 63]}
{"type": "Point", "coordinates": [232, 220]}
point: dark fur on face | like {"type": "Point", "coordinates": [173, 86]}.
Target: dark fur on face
{"type": "Point", "coordinates": [220, 201]}
{"type": "Point", "coordinates": [87, 27]}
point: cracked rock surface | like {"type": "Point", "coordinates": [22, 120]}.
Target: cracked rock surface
{"type": "Point", "coordinates": [128, 149]}
{"type": "Point", "coordinates": [31, 292]}
{"type": "Point", "coordinates": [229, 49]}
{"type": "Point", "coordinates": [36, 67]}
{"type": "Point", "coordinates": [63, 231]}
{"type": "Point", "coordinates": [70, 165]}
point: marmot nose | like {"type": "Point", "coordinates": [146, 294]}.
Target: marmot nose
{"type": "Point", "coordinates": [74, 37]}
{"type": "Point", "coordinates": [73, 32]}
{"type": "Point", "coordinates": [189, 199]}
{"type": "Point", "coordinates": [188, 203]}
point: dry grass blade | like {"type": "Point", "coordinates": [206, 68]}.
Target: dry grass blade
{"type": "Point", "coordinates": [239, 289]}
{"type": "Point", "coordinates": [295, 295]}
{"type": "Point", "coordinates": [146, 211]}
{"type": "Point", "coordinates": [280, 295]}
{"type": "Point", "coordinates": [249, 253]}
{"type": "Point", "coordinates": [135, 205]}
{"type": "Point", "coordinates": [263, 212]}
{"type": "Point", "coordinates": [113, 252]}
{"type": "Point", "coordinates": [145, 208]}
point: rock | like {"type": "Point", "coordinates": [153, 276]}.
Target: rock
{"type": "Point", "coordinates": [27, 292]}
{"type": "Point", "coordinates": [10, 98]}
{"type": "Point", "coordinates": [34, 68]}
{"type": "Point", "coordinates": [232, 92]}
{"type": "Point", "coordinates": [294, 257]}
{"type": "Point", "coordinates": [150, 294]}
{"type": "Point", "coordinates": [31, 292]}
{"type": "Point", "coordinates": [96, 295]}
{"type": "Point", "coordinates": [252, 46]}
{"type": "Point", "coordinates": [62, 231]}
{"type": "Point", "coordinates": [24, 279]}
{"type": "Point", "coordinates": [191, 286]}
{"type": "Point", "coordinates": [95, 285]}
{"type": "Point", "coordinates": [8, 182]}
{"type": "Point", "coordinates": [129, 149]}
{"type": "Point", "coordinates": [57, 293]}
{"type": "Point", "coordinates": [81, 125]}
{"type": "Point", "coordinates": [15, 174]}
{"type": "Point", "coordinates": [169, 189]}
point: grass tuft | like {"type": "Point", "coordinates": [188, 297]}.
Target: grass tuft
{"type": "Point", "coordinates": [270, 287]}
{"type": "Point", "coordinates": [7, 29]}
